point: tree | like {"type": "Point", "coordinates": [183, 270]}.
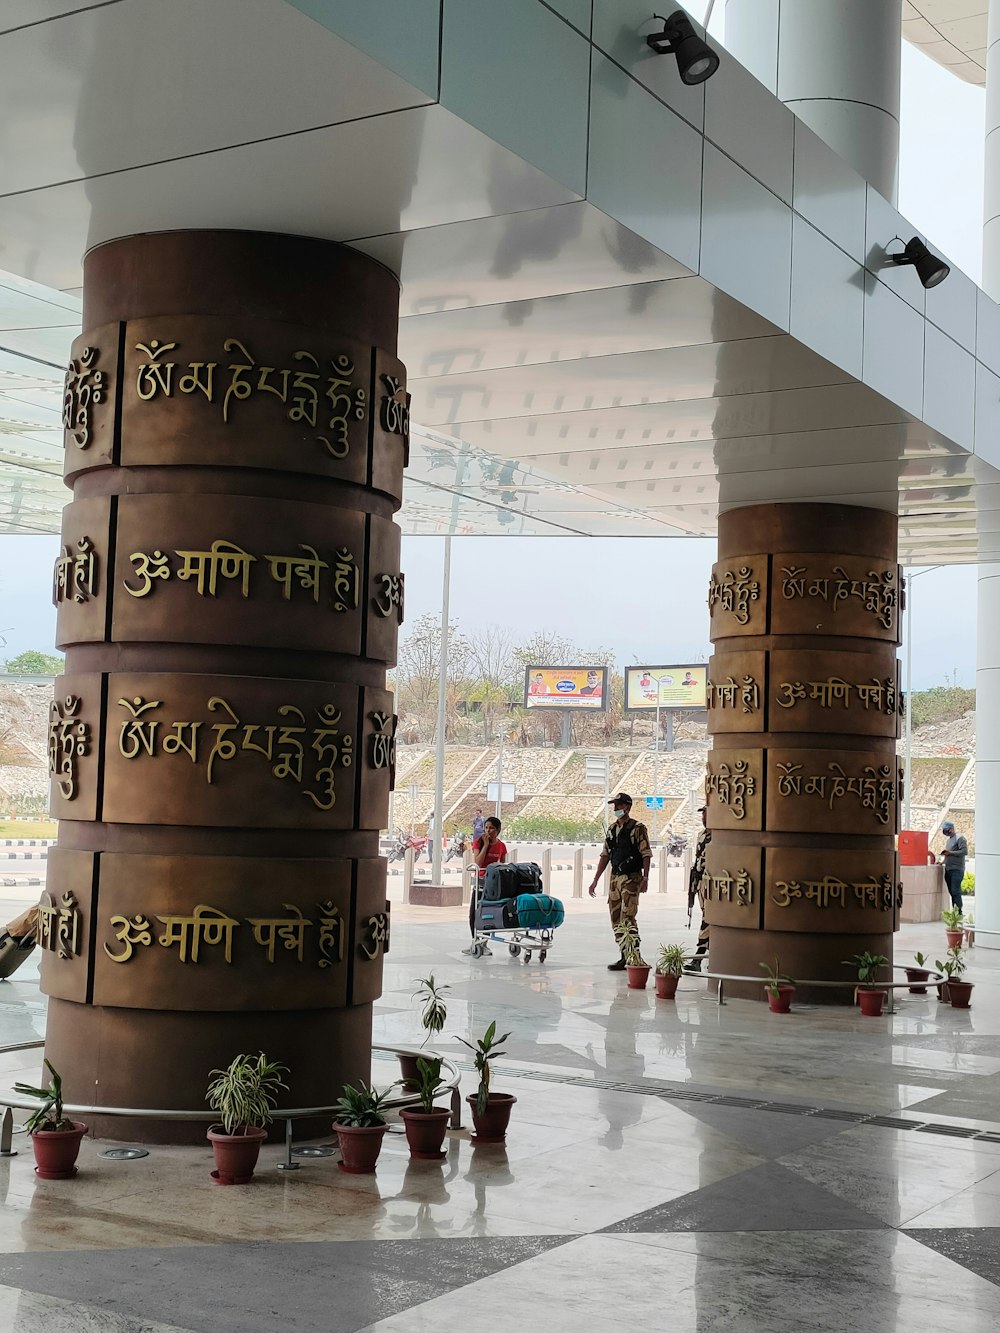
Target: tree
{"type": "Point", "coordinates": [34, 663]}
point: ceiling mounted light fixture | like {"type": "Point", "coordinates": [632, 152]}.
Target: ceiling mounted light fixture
{"type": "Point", "coordinates": [696, 60]}
{"type": "Point", "coordinates": [931, 270]}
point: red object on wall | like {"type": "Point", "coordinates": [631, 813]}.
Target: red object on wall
{"type": "Point", "coordinates": [913, 849]}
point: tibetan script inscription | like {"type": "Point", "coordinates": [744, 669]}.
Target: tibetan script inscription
{"type": "Point", "coordinates": [835, 791]}
{"type": "Point", "coordinates": [874, 788]}
{"type": "Point", "coordinates": [838, 595]}
{"type": "Point", "coordinates": [731, 784]}
{"type": "Point", "coordinates": [733, 591]}
{"type": "Point", "coordinates": [84, 389]}
{"type": "Point", "coordinates": [68, 741]}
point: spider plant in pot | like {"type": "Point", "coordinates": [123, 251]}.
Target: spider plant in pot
{"type": "Point", "coordinates": [778, 988]}
{"type": "Point", "coordinates": [54, 1138]}
{"type": "Point", "coordinates": [627, 936]}
{"type": "Point", "coordinates": [359, 1123]}
{"type": "Point", "coordinates": [870, 996]}
{"type": "Point", "coordinates": [433, 1012]}
{"type": "Point", "coordinates": [916, 975]}
{"type": "Point", "coordinates": [954, 925]}
{"type": "Point", "coordinates": [669, 966]}
{"type": "Point", "coordinates": [426, 1124]}
{"type": "Point", "coordinates": [490, 1110]}
{"type": "Point", "coordinates": [243, 1095]}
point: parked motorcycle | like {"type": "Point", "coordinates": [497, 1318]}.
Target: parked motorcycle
{"type": "Point", "coordinates": [675, 844]}
{"type": "Point", "coordinates": [456, 848]}
{"type": "Point", "coordinates": [407, 842]}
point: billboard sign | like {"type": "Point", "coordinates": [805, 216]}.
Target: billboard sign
{"type": "Point", "coordinates": [566, 687]}
{"type": "Point", "coordinates": [672, 686]}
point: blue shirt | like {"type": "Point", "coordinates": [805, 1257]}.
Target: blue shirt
{"type": "Point", "coordinates": [478, 826]}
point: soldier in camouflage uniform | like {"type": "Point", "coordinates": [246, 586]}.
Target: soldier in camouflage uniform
{"type": "Point", "coordinates": [627, 848]}
{"type": "Point", "coordinates": [696, 889]}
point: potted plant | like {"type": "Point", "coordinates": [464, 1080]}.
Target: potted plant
{"type": "Point", "coordinates": [918, 974]}
{"type": "Point", "coordinates": [244, 1095]}
{"type": "Point", "coordinates": [870, 995]}
{"type": "Point", "coordinates": [627, 936]}
{"type": "Point", "coordinates": [54, 1138]}
{"type": "Point", "coordinates": [433, 1013]}
{"type": "Point", "coordinates": [360, 1127]}
{"type": "Point", "coordinates": [490, 1110]}
{"type": "Point", "coordinates": [669, 967]}
{"type": "Point", "coordinates": [426, 1124]}
{"type": "Point", "coordinates": [954, 991]}
{"type": "Point", "coordinates": [779, 988]}
{"type": "Point", "coordinates": [953, 925]}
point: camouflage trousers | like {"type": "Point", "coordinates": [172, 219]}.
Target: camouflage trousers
{"type": "Point", "coordinates": [623, 898]}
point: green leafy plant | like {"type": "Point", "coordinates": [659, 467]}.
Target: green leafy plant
{"type": "Point", "coordinates": [670, 962]}
{"type": "Point", "coordinates": [867, 965]}
{"type": "Point", "coordinates": [361, 1107]}
{"type": "Point", "coordinates": [953, 918]}
{"type": "Point", "coordinates": [627, 937]}
{"type": "Point", "coordinates": [953, 965]}
{"type": "Point", "coordinates": [245, 1094]}
{"type": "Point", "coordinates": [428, 1081]}
{"type": "Point", "coordinates": [775, 978]}
{"type": "Point", "coordinates": [919, 958]}
{"type": "Point", "coordinates": [969, 884]}
{"type": "Point", "coordinates": [49, 1115]}
{"type": "Point", "coordinates": [434, 1011]}
{"type": "Point", "coordinates": [483, 1052]}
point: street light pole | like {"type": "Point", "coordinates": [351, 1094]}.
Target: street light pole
{"type": "Point", "coordinates": [908, 741]}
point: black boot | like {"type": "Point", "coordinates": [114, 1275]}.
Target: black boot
{"type": "Point", "coordinates": [617, 967]}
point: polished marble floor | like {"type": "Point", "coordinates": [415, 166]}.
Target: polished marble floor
{"type": "Point", "coordinates": [642, 1179]}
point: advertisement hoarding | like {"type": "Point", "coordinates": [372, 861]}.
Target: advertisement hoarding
{"type": "Point", "coordinates": [566, 687]}
{"type": "Point", "coordinates": [674, 687]}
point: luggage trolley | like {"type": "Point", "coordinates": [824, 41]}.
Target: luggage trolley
{"type": "Point", "coordinates": [499, 895]}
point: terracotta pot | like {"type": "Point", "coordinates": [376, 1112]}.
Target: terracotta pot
{"type": "Point", "coordinates": [637, 976]}
{"type": "Point", "coordinates": [359, 1147]}
{"type": "Point", "coordinates": [425, 1131]}
{"type": "Point", "coordinates": [871, 1002]}
{"type": "Point", "coordinates": [782, 1002]}
{"type": "Point", "coordinates": [954, 937]}
{"type": "Point", "coordinates": [666, 985]}
{"type": "Point", "coordinates": [492, 1127]}
{"type": "Point", "coordinates": [915, 975]}
{"type": "Point", "coordinates": [408, 1069]}
{"type": "Point", "coordinates": [56, 1151]}
{"type": "Point", "coordinates": [235, 1154]}
{"type": "Point", "coordinates": [960, 993]}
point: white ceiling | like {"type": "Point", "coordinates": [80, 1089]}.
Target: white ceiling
{"type": "Point", "coordinates": [568, 375]}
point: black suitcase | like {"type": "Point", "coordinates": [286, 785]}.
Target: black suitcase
{"type": "Point", "coordinates": [507, 881]}
{"type": "Point", "coordinates": [14, 952]}
{"type": "Point", "coordinates": [497, 914]}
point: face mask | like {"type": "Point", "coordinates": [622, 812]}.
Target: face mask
{"type": "Point", "coordinates": [619, 813]}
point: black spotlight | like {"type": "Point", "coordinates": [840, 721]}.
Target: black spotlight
{"type": "Point", "coordinates": [695, 59]}
{"type": "Point", "coordinates": [931, 270]}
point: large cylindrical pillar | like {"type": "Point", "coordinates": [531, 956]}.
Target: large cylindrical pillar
{"type": "Point", "coordinates": [228, 594]}
{"type": "Point", "coordinates": [986, 836]}
{"type": "Point", "coordinates": [991, 165]}
{"type": "Point", "coordinates": [804, 712]}
{"type": "Point", "coordinates": [835, 63]}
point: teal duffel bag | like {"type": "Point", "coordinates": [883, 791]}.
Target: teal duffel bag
{"type": "Point", "coordinates": [537, 911]}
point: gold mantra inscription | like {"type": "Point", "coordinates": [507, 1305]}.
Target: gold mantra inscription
{"type": "Point", "coordinates": [68, 741]}
{"type": "Point", "coordinates": [731, 784]}
{"type": "Point", "coordinates": [75, 576]}
{"type": "Point", "coordinates": [383, 750]}
{"type": "Point", "coordinates": [880, 695]}
{"type": "Point", "coordinates": [878, 892]}
{"type": "Point", "coordinates": [734, 592]}
{"type": "Point", "coordinates": [209, 928]}
{"type": "Point", "coordinates": [731, 695]}
{"type": "Point", "coordinates": [876, 590]}
{"type": "Point", "coordinates": [84, 388]}
{"type": "Point", "coordinates": [874, 788]}
{"type": "Point", "coordinates": [284, 743]}
{"type": "Point", "coordinates": [319, 395]}
{"type": "Point", "coordinates": [60, 928]}
{"type": "Point", "coordinates": [729, 888]}
{"type": "Point", "coordinates": [224, 562]}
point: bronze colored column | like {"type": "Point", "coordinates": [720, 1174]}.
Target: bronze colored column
{"type": "Point", "coordinates": [229, 595]}
{"type": "Point", "coordinates": [804, 710]}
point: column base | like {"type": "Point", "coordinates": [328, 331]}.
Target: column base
{"type": "Point", "coordinates": [818, 957]}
